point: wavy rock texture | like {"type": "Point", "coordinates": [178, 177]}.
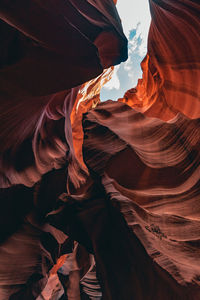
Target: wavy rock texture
{"type": "Point", "coordinates": [145, 169]}
{"type": "Point", "coordinates": [170, 82]}
{"type": "Point", "coordinates": [41, 70]}
{"type": "Point", "coordinates": [101, 204]}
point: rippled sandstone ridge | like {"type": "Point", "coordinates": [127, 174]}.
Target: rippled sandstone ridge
{"type": "Point", "coordinates": [98, 200]}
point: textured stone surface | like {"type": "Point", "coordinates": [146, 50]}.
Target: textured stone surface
{"type": "Point", "coordinates": [98, 200]}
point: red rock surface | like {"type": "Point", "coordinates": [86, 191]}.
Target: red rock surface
{"type": "Point", "coordinates": [98, 199]}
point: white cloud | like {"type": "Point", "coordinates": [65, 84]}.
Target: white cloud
{"type": "Point", "coordinates": [114, 83]}
{"type": "Point", "coordinates": [128, 65]}
{"type": "Point", "coordinates": [135, 15]}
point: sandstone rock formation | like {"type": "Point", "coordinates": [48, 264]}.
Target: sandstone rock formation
{"type": "Point", "coordinates": [98, 200]}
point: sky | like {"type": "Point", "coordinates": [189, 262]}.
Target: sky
{"type": "Point", "coordinates": [136, 19]}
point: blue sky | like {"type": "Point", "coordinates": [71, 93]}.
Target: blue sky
{"type": "Point", "coordinates": [135, 18]}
